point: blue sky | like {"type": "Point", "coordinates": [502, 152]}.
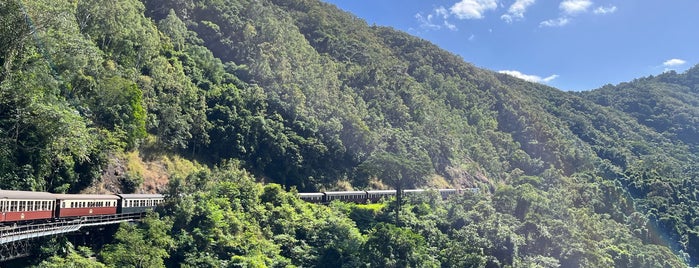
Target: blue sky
{"type": "Point", "coordinates": [568, 44]}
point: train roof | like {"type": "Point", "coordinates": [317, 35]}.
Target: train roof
{"type": "Point", "coordinates": [140, 196]}
{"type": "Point", "coordinates": [345, 193]}
{"type": "Point", "coordinates": [10, 194]}
{"type": "Point", "coordinates": [414, 190]}
{"type": "Point", "coordinates": [381, 192]}
{"type": "Point", "coordinates": [311, 194]}
{"type": "Point", "coordinates": [86, 196]}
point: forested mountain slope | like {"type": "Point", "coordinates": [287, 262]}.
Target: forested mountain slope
{"type": "Point", "coordinates": [302, 94]}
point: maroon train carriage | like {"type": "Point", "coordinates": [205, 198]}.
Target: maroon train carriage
{"type": "Point", "coordinates": [312, 197]}
{"type": "Point", "coordinates": [76, 205]}
{"type": "Point", "coordinates": [24, 206]}
{"type": "Point", "coordinates": [376, 195]}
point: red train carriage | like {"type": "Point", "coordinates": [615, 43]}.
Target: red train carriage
{"type": "Point", "coordinates": [76, 205]}
{"type": "Point", "coordinates": [24, 206]}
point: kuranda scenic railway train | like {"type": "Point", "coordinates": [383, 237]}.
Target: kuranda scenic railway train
{"type": "Point", "coordinates": [25, 207]}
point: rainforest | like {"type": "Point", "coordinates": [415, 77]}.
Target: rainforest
{"type": "Point", "coordinates": [231, 107]}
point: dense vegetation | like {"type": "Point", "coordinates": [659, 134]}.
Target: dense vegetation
{"type": "Point", "coordinates": [298, 93]}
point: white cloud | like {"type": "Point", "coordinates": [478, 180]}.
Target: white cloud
{"type": "Point", "coordinates": [528, 77]}
{"type": "Point", "coordinates": [441, 11]}
{"type": "Point", "coordinates": [472, 9]}
{"type": "Point", "coordinates": [571, 7]}
{"type": "Point", "coordinates": [426, 22]}
{"type": "Point", "coordinates": [605, 10]}
{"type": "Point", "coordinates": [559, 22]}
{"type": "Point", "coordinates": [450, 26]}
{"type": "Point", "coordinates": [516, 10]}
{"type": "Point", "coordinates": [673, 62]}
{"type": "Point", "coordinates": [431, 21]}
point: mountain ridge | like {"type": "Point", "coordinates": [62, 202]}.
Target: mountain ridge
{"type": "Point", "coordinates": [301, 94]}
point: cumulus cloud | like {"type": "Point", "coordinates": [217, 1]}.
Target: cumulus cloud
{"type": "Point", "coordinates": [673, 62]}
{"type": "Point", "coordinates": [605, 10]}
{"type": "Point", "coordinates": [516, 10]}
{"type": "Point", "coordinates": [528, 77]}
{"type": "Point", "coordinates": [559, 22]}
{"type": "Point", "coordinates": [472, 9]}
{"type": "Point", "coordinates": [571, 7]}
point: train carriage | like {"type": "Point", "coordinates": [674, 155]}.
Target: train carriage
{"type": "Point", "coordinates": [24, 206]}
{"type": "Point", "coordinates": [447, 192]}
{"type": "Point", "coordinates": [312, 197]}
{"type": "Point", "coordinates": [138, 203]}
{"type": "Point", "coordinates": [347, 196]}
{"type": "Point", "coordinates": [76, 205]}
{"type": "Point", "coordinates": [376, 195]}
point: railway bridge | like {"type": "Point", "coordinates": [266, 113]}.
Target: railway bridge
{"type": "Point", "coordinates": [15, 241]}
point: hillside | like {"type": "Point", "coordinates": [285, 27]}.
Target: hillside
{"type": "Point", "coordinates": [299, 93]}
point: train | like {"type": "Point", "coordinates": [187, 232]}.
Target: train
{"type": "Point", "coordinates": [25, 206]}
{"type": "Point", "coordinates": [372, 195]}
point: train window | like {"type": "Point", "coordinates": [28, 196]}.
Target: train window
{"type": "Point", "coordinates": [22, 205]}
{"type": "Point", "coordinates": [2, 205]}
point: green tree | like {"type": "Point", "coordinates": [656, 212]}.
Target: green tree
{"type": "Point", "coordinates": [139, 247]}
{"type": "Point", "coordinates": [391, 246]}
{"type": "Point", "coordinates": [400, 171]}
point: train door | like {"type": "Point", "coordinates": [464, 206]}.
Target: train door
{"type": "Point", "coordinates": [3, 209]}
